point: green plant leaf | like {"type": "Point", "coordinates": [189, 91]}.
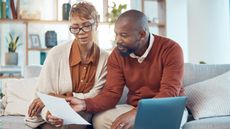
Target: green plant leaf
{"type": "Point", "coordinates": [13, 44]}
{"type": "Point", "coordinates": [115, 12]}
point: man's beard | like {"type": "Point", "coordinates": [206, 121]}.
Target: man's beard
{"type": "Point", "coordinates": [127, 52]}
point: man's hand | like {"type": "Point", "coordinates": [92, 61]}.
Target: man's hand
{"type": "Point", "coordinates": [77, 104]}
{"type": "Point", "coordinates": [125, 121]}
{"type": "Point", "coordinates": [35, 107]}
{"type": "Point", "coordinates": [54, 120]}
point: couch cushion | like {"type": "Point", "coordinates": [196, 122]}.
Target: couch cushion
{"type": "Point", "coordinates": [13, 122]}
{"type": "Point", "coordinates": [18, 94]}
{"type": "Point", "coordinates": [209, 123]}
{"type": "Point", "coordinates": [209, 98]}
{"type": "Point", "coordinates": [31, 71]}
{"type": "Point", "coordinates": [194, 73]}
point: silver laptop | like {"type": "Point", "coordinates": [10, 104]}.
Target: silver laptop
{"type": "Point", "coordinates": [160, 113]}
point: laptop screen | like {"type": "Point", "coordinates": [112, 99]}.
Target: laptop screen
{"type": "Point", "coordinates": [160, 113]}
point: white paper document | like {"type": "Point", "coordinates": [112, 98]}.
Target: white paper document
{"type": "Point", "coordinates": [60, 108]}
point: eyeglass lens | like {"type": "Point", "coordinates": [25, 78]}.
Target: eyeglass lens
{"type": "Point", "coordinates": [86, 28]}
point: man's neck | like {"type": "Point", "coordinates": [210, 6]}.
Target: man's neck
{"type": "Point", "coordinates": [143, 47]}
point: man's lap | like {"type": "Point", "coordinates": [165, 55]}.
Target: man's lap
{"type": "Point", "coordinates": [105, 119]}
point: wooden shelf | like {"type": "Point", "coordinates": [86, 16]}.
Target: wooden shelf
{"type": "Point", "coordinates": [152, 24]}
{"type": "Point", "coordinates": [11, 21]}
{"type": "Point", "coordinates": [153, 0]}
{"type": "Point", "coordinates": [39, 49]}
{"type": "Point", "coordinates": [47, 22]}
{"type": "Point", "coordinates": [33, 21]}
{"type": "Point", "coordinates": [27, 22]}
{"type": "Point", "coordinates": [161, 16]}
{"type": "Point", "coordinates": [7, 77]}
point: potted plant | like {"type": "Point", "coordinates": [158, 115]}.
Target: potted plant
{"type": "Point", "coordinates": [11, 57]}
{"type": "Point", "coordinates": [115, 12]}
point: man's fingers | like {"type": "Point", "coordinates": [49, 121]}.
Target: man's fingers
{"type": "Point", "coordinates": [127, 126]}
{"type": "Point", "coordinates": [116, 124]}
{"type": "Point", "coordinates": [68, 99]}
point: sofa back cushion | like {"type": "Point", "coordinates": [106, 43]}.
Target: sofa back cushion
{"type": "Point", "coordinates": [194, 73]}
{"type": "Point", "coordinates": [18, 93]}
{"type": "Point", "coordinates": [31, 71]}
{"type": "Point", "coordinates": [209, 98]}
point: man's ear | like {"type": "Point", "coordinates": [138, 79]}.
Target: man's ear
{"type": "Point", "coordinates": [142, 34]}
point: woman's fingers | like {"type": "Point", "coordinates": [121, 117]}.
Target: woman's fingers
{"type": "Point", "coordinates": [55, 121]}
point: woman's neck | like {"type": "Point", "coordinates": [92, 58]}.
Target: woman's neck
{"type": "Point", "coordinates": [85, 50]}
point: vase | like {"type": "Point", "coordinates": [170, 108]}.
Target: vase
{"type": "Point", "coordinates": [65, 11]}
{"type": "Point", "coordinates": [11, 58]}
{"type": "Point", "coordinates": [50, 39]}
{"type": "Point", "coordinates": [42, 57]}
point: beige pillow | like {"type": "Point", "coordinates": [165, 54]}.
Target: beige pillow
{"type": "Point", "coordinates": [209, 98]}
{"type": "Point", "coordinates": [18, 95]}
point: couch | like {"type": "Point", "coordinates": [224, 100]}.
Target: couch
{"type": "Point", "coordinates": [195, 76]}
{"type": "Point", "coordinates": [17, 95]}
{"type": "Point", "coordinates": [207, 89]}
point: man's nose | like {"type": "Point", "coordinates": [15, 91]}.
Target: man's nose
{"type": "Point", "coordinates": [118, 39]}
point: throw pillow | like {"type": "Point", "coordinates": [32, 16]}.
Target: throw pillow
{"type": "Point", "coordinates": [18, 95]}
{"type": "Point", "coordinates": [209, 98]}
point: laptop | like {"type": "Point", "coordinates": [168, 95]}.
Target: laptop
{"type": "Point", "coordinates": [160, 113]}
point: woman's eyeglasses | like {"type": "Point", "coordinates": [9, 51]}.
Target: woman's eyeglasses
{"type": "Point", "coordinates": [76, 30]}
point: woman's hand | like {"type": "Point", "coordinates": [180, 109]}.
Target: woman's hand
{"type": "Point", "coordinates": [53, 120]}
{"type": "Point", "coordinates": [35, 107]}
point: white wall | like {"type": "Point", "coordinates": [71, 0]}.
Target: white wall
{"type": "Point", "coordinates": [208, 31]}
{"type": "Point", "coordinates": [201, 27]}
{"type": "Point", "coordinates": [176, 23]}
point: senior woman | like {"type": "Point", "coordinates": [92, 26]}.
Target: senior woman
{"type": "Point", "coordinates": [74, 69]}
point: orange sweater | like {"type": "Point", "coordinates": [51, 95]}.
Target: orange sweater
{"type": "Point", "coordinates": [159, 75]}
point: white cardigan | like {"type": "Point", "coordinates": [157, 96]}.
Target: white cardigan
{"type": "Point", "coordinates": [55, 76]}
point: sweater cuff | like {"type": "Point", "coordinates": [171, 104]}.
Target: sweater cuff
{"type": "Point", "coordinates": [78, 95]}
{"type": "Point", "coordinates": [89, 106]}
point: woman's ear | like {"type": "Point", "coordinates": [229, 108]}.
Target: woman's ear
{"type": "Point", "coordinates": [96, 25]}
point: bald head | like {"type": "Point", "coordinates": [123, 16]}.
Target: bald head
{"type": "Point", "coordinates": [135, 17]}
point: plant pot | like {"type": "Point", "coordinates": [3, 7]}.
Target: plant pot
{"type": "Point", "coordinates": [11, 58]}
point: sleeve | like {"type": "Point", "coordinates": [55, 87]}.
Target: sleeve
{"type": "Point", "coordinates": [173, 63]}
{"type": "Point", "coordinates": [99, 80]}
{"type": "Point", "coordinates": [112, 90]}
{"type": "Point", "coordinates": [48, 77]}
{"type": "Point", "coordinates": [45, 84]}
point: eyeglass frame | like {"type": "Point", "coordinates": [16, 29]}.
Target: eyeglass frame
{"type": "Point", "coordinates": [82, 28]}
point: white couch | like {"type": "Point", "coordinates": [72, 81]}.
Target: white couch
{"type": "Point", "coordinates": [195, 77]}
{"type": "Point", "coordinates": [18, 94]}
{"type": "Point", "coordinates": [208, 91]}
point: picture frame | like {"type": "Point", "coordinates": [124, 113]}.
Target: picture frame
{"type": "Point", "coordinates": [35, 41]}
